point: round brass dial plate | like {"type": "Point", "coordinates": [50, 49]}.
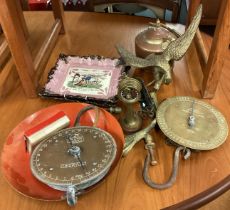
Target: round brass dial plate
{"type": "Point", "coordinates": [53, 164]}
{"type": "Point", "coordinates": [209, 132]}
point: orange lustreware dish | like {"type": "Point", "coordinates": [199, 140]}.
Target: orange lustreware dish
{"type": "Point", "coordinates": [15, 160]}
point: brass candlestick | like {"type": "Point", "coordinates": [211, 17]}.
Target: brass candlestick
{"type": "Point", "coordinates": [129, 92]}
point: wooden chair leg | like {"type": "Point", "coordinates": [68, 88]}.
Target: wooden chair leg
{"type": "Point", "coordinates": [58, 12]}
{"type": "Point", "coordinates": [17, 43]}
{"type": "Point", "coordinates": [218, 51]}
{"type": "Point", "coordinates": [4, 52]}
{"type": "Point", "coordinates": [21, 18]}
{"type": "Point", "coordinates": [213, 63]}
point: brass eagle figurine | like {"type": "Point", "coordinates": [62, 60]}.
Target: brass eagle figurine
{"type": "Point", "coordinates": [175, 51]}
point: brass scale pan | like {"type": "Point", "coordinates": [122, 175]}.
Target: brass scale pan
{"type": "Point", "coordinates": [190, 124]}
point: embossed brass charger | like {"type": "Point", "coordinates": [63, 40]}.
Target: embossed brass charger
{"type": "Point", "coordinates": [190, 124]}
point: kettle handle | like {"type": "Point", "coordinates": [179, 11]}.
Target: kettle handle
{"type": "Point", "coordinates": [172, 178]}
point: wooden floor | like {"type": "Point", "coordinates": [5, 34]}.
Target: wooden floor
{"type": "Point", "coordinates": [186, 81]}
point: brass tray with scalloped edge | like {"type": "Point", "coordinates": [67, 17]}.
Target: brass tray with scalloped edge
{"type": "Point", "coordinates": [190, 124]}
{"type": "Point", "coordinates": [210, 129]}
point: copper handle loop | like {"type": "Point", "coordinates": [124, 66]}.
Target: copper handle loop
{"type": "Point", "coordinates": [85, 109]}
{"type": "Point", "coordinates": [172, 178]}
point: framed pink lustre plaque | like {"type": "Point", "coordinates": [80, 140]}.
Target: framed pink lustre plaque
{"type": "Point", "coordinates": [91, 79]}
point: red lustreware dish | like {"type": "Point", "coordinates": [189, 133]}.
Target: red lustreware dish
{"type": "Point", "coordinates": [15, 160]}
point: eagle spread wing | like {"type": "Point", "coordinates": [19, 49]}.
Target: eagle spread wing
{"type": "Point", "coordinates": [176, 49]}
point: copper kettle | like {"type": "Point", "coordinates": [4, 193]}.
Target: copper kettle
{"type": "Point", "coordinates": [155, 39]}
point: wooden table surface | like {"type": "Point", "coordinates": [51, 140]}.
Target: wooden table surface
{"type": "Point", "coordinates": [90, 34]}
